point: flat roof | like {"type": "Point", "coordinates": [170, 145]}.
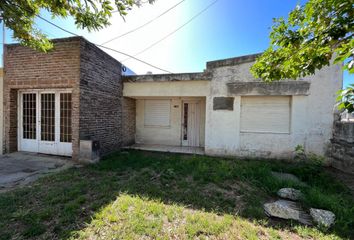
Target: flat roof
{"type": "Point", "coordinates": [206, 75]}
{"type": "Point", "coordinates": [55, 40]}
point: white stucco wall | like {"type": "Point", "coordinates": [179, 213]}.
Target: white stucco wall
{"type": "Point", "coordinates": [311, 117]}
{"type": "Point", "coordinates": [1, 111]}
{"type": "Point", "coordinates": [166, 135]}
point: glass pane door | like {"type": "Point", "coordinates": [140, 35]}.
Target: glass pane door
{"type": "Point", "coordinates": [47, 117]}
{"type": "Point", "coordinates": [45, 122]}
{"type": "Point", "coordinates": [29, 116]}
{"type": "Point", "coordinates": [65, 117]}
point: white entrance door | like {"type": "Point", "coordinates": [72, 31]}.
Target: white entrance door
{"type": "Point", "coordinates": [45, 122]}
{"type": "Point", "coordinates": [190, 123]}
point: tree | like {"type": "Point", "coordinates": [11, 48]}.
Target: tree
{"type": "Point", "coordinates": [308, 40]}
{"type": "Point", "coordinates": [19, 16]}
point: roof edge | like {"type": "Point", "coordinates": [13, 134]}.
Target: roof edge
{"type": "Point", "coordinates": [55, 40]}
{"type": "Point", "coordinates": [196, 76]}
{"type": "Point", "coordinates": [232, 61]}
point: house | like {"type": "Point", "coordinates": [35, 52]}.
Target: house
{"type": "Point", "coordinates": [74, 101]}
{"type": "Point", "coordinates": [226, 111]}
{"type": "Point", "coordinates": [66, 102]}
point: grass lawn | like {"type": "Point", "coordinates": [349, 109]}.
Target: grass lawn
{"type": "Point", "coordinates": [143, 195]}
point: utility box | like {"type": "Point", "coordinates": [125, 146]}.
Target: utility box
{"type": "Point", "coordinates": [89, 151]}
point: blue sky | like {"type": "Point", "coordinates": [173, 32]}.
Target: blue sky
{"type": "Point", "coordinates": [227, 29]}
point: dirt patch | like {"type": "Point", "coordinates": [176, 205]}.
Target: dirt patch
{"type": "Point", "coordinates": [233, 191]}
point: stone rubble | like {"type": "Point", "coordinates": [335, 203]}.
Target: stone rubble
{"type": "Point", "coordinates": [290, 193]}
{"type": "Point", "coordinates": [287, 177]}
{"type": "Point", "coordinates": [322, 217]}
{"type": "Point", "coordinates": [287, 210]}
{"type": "Point", "coordinates": [290, 209]}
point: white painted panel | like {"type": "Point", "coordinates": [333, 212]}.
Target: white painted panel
{"type": "Point", "coordinates": [265, 114]}
{"type": "Point", "coordinates": [157, 113]}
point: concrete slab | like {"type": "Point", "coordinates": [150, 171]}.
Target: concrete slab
{"type": "Point", "coordinates": [166, 148]}
{"type": "Point", "coordinates": [21, 168]}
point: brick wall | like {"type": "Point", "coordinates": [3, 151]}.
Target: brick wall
{"type": "Point", "coordinates": [29, 69]}
{"type": "Point", "coordinates": [101, 98]}
{"type": "Point", "coordinates": [129, 121]}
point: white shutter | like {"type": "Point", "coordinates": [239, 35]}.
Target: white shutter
{"type": "Point", "coordinates": [157, 113]}
{"type": "Point", "coordinates": [265, 114]}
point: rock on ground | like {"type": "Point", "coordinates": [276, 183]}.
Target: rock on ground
{"type": "Point", "coordinates": [287, 210]}
{"type": "Point", "coordinates": [322, 217]}
{"type": "Point", "coordinates": [290, 193]}
{"type": "Point", "coordinates": [287, 177]}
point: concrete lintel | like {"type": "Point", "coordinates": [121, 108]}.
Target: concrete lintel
{"type": "Point", "coordinates": [169, 77]}
{"type": "Point", "coordinates": [294, 88]}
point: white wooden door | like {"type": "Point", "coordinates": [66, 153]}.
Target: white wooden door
{"type": "Point", "coordinates": [45, 122]}
{"type": "Point", "coordinates": [190, 123]}
{"type": "Point", "coordinates": [28, 122]}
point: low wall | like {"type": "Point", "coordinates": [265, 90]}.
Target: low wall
{"type": "Point", "coordinates": [341, 149]}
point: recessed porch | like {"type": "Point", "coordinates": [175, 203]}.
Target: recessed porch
{"type": "Point", "coordinates": [170, 111]}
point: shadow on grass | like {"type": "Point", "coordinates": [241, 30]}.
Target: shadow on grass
{"type": "Point", "coordinates": [59, 205]}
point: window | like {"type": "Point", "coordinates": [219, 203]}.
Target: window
{"type": "Point", "coordinates": [157, 113]}
{"type": "Point", "coordinates": [265, 114]}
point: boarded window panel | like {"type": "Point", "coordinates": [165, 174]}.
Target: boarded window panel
{"type": "Point", "coordinates": [265, 114]}
{"type": "Point", "coordinates": [157, 113]}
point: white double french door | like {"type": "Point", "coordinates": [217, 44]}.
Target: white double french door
{"type": "Point", "coordinates": [45, 121]}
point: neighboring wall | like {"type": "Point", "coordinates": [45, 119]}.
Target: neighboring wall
{"type": "Point", "coordinates": [100, 98]}
{"type": "Point", "coordinates": [26, 68]}
{"type": "Point", "coordinates": [311, 111]}
{"type": "Point", "coordinates": [342, 146]}
{"type": "Point", "coordinates": [1, 111]}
